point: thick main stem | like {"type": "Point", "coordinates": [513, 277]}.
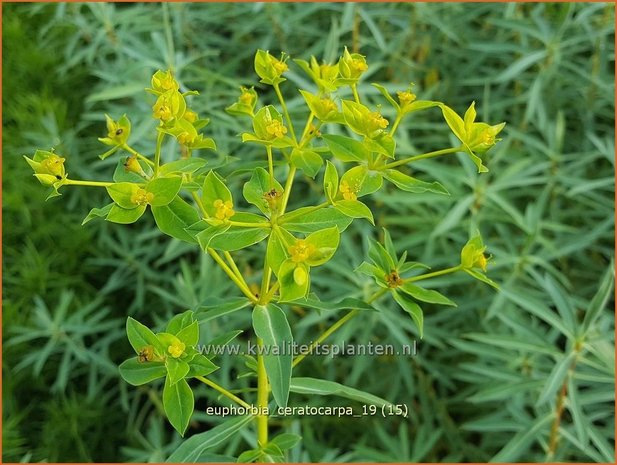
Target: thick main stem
{"type": "Point", "coordinates": [262, 396]}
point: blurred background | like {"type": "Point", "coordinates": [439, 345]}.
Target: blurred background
{"type": "Point", "coordinates": [526, 374]}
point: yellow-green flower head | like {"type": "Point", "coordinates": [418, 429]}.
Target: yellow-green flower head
{"type": "Point", "coordinates": [53, 165]}
{"type": "Point", "coordinates": [248, 97]}
{"type": "Point", "coordinates": [190, 116]}
{"type": "Point", "coordinates": [47, 166]}
{"type": "Point", "coordinates": [480, 136]}
{"type": "Point", "coordinates": [118, 132]}
{"type": "Point", "coordinates": [224, 209]}
{"type": "Point", "coordinates": [176, 349]}
{"type": "Point", "coordinates": [163, 81]}
{"type": "Point", "coordinates": [375, 121]}
{"type": "Point", "coordinates": [186, 138]}
{"type": "Point", "coordinates": [132, 165]}
{"type": "Point", "coordinates": [348, 192]}
{"type": "Point", "coordinates": [352, 65]}
{"type": "Point", "coordinates": [141, 197]}
{"type": "Point", "coordinates": [169, 106]}
{"type": "Point", "coordinates": [275, 129]}
{"type": "Point", "coordinates": [405, 97]}
{"type": "Point", "coordinates": [472, 255]}
{"type": "Point", "coordinates": [301, 251]}
{"type": "Point", "coordinates": [328, 72]}
{"type": "Point", "coordinates": [270, 69]}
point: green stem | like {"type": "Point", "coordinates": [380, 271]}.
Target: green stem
{"type": "Point", "coordinates": [132, 151]}
{"type": "Point", "coordinates": [243, 224]}
{"type": "Point", "coordinates": [326, 334]}
{"type": "Point", "coordinates": [157, 152]}
{"type": "Point", "coordinates": [236, 278]}
{"type": "Point", "coordinates": [262, 396]}
{"type": "Point", "coordinates": [433, 274]}
{"type": "Point", "coordinates": [421, 157]}
{"type": "Point", "coordinates": [287, 190]}
{"type": "Point", "coordinates": [277, 89]}
{"type": "Point", "coordinates": [224, 391]}
{"type": "Point", "coordinates": [270, 165]}
{"type": "Point", "coordinates": [75, 182]}
{"type": "Point", "coordinates": [354, 89]}
{"type": "Point", "coordinates": [241, 285]}
{"type": "Point", "coordinates": [306, 128]}
{"type": "Point", "coordinates": [234, 267]}
{"type": "Point", "coordinates": [295, 213]}
{"type": "Point", "coordinates": [397, 121]}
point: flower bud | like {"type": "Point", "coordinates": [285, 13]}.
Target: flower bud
{"type": "Point", "coordinates": [352, 65]}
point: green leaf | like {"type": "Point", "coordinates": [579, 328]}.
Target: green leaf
{"type": "Point", "coordinates": [256, 189]}
{"type": "Point", "coordinates": [454, 121]}
{"type": "Point", "coordinates": [250, 456]}
{"type": "Point", "coordinates": [174, 218]}
{"type": "Point", "coordinates": [381, 257]}
{"type": "Point", "coordinates": [307, 160]}
{"type": "Point", "coordinates": [286, 441]}
{"type": "Point", "coordinates": [387, 95]}
{"type": "Point", "coordinates": [409, 184]}
{"type": "Point", "coordinates": [270, 324]}
{"type": "Point", "coordinates": [295, 280]}
{"type": "Point", "coordinates": [482, 277]}
{"type": "Point", "coordinates": [187, 165]}
{"type": "Point", "coordinates": [189, 334]}
{"type": "Point", "coordinates": [224, 307]}
{"type": "Point", "coordinates": [204, 238]}
{"type": "Point", "coordinates": [426, 295]}
{"type": "Point", "coordinates": [325, 243]}
{"type": "Point", "coordinates": [521, 442]}
{"type": "Point", "coordinates": [278, 245]}
{"type": "Point", "coordinates": [236, 238]}
{"type": "Point", "coordinates": [178, 403]}
{"type": "Point", "coordinates": [164, 190]}
{"type": "Point", "coordinates": [200, 366]}
{"type": "Point", "coordinates": [330, 181]}
{"type": "Point", "coordinates": [214, 189]}
{"type": "Point", "coordinates": [140, 336]}
{"type": "Point", "coordinates": [354, 209]}
{"type": "Point", "coordinates": [322, 387]}
{"type": "Point", "coordinates": [138, 373]}
{"type": "Point", "coordinates": [555, 379]}
{"type": "Point", "coordinates": [219, 341]}
{"type": "Point", "coordinates": [176, 370]}
{"type": "Point", "coordinates": [307, 220]}
{"type": "Point", "coordinates": [383, 144]}
{"type": "Point", "coordinates": [600, 299]}
{"type": "Point", "coordinates": [362, 181]}
{"type": "Point", "coordinates": [346, 149]}
{"type": "Point", "coordinates": [348, 303]}
{"type": "Point", "coordinates": [412, 308]}
{"type": "Point", "coordinates": [191, 449]}
{"type": "Point", "coordinates": [123, 216]}
{"type": "Point", "coordinates": [98, 213]}
{"type": "Point", "coordinates": [179, 322]}
{"type": "Point", "coordinates": [122, 194]}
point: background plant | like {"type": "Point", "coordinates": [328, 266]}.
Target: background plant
{"type": "Point", "coordinates": [545, 208]}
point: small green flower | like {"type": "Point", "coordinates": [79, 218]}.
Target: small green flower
{"type": "Point", "coordinates": [48, 167]}
{"type": "Point", "coordinates": [352, 65]}
{"type": "Point", "coordinates": [118, 132]}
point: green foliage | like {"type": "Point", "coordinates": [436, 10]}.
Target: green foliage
{"type": "Point", "coordinates": [489, 375]}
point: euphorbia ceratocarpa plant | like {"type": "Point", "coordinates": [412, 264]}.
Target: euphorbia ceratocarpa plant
{"type": "Point", "coordinates": [346, 142]}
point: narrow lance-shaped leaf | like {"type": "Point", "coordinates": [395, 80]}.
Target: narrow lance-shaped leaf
{"type": "Point", "coordinates": [270, 324]}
